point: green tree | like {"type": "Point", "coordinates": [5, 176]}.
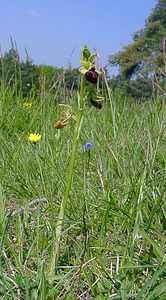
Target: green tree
{"type": "Point", "coordinates": [48, 76]}
{"type": "Point", "coordinates": [145, 55]}
{"type": "Point", "coordinates": [72, 78]}
{"type": "Point", "coordinates": [138, 89]}
{"type": "Point", "coordinates": [9, 65]}
{"type": "Point", "coordinates": [18, 75]}
{"type": "Point", "coordinates": [29, 77]}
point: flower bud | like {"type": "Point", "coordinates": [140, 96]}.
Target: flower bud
{"type": "Point", "coordinates": [86, 53]}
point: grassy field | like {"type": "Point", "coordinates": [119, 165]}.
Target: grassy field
{"type": "Point", "coordinates": [113, 237]}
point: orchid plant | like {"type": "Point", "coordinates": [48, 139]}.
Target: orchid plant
{"type": "Point", "coordinates": [88, 90]}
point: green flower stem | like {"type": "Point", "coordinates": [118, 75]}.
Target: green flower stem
{"type": "Point", "coordinates": [55, 250]}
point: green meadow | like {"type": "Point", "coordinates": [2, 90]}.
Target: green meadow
{"type": "Point", "coordinates": [112, 242]}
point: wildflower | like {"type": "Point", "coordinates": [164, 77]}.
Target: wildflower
{"type": "Point", "coordinates": [97, 104]}
{"type": "Point", "coordinates": [92, 76]}
{"type": "Point", "coordinates": [59, 124]}
{"type": "Point", "coordinates": [27, 105]}
{"type": "Point", "coordinates": [62, 122]}
{"type": "Point", "coordinates": [88, 146]}
{"type": "Point", "coordinates": [34, 138]}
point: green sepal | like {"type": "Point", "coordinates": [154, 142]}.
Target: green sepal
{"type": "Point", "coordinates": [82, 70]}
{"type": "Point", "coordinates": [85, 64]}
{"type": "Point", "coordinates": [91, 58]}
{"type": "Point", "coordinates": [99, 72]}
{"type": "Point", "coordinates": [65, 122]}
{"type": "Point", "coordinates": [98, 98]}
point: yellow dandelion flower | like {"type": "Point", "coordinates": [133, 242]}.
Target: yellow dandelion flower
{"type": "Point", "coordinates": [27, 105]}
{"type": "Point", "coordinates": [34, 138]}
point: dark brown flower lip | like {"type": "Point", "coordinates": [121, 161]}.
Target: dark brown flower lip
{"type": "Point", "coordinates": [92, 76]}
{"type": "Point", "coordinates": [97, 104]}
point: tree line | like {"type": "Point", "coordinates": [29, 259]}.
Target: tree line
{"type": "Point", "coordinates": [142, 64]}
{"type": "Point", "coordinates": [25, 77]}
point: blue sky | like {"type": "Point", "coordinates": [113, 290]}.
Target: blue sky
{"type": "Point", "coordinates": [50, 30]}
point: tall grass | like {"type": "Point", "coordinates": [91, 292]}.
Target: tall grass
{"type": "Point", "coordinates": [113, 236]}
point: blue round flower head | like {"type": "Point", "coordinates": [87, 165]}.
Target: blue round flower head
{"type": "Point", "coordinates": [88, 146]}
